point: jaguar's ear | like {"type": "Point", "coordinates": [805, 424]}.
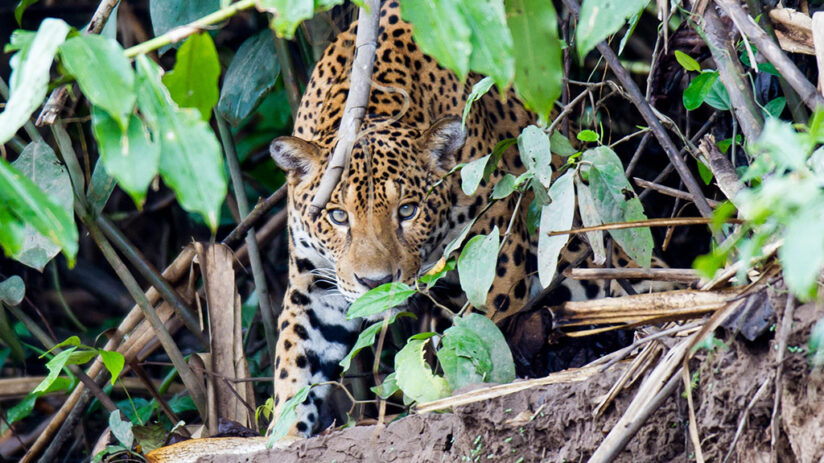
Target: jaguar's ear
{"type": "Point", "coordinates": [443, 141]}
{"type": "Point", "coordinates": [294, 155]}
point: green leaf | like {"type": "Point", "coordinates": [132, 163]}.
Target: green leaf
{"type": "Point", "coordinates": [388, 387]}
{"type": "Point", "coordinates": [775, 107]}
{"type": "Point", "coordinates": [504, 187]}
{"type": "Point", "coordinates": [150, 437]}
{"type": "Point", "coordinates": [440, 29]}
{"type": "Point", "coordinates": [533, 144]}
{"type": "Point", "coordinates": [380, 299]}
{"type": "Point", "coordinates": [476, 266]}
{"type": "Point", "coordinates": [601, 18]}
{"type": "Point", "coordinates": [168, 14]}
{"type": "Point", "coordinates": [590, 218]}
{"type": "Point", "coordinates": [617, 202]}
{"type": "Point", "coordinates": [288, 416]}
{"type": "Point", "coordinates": [191, 163]}
{"type": "Point", "coordinates": [81, 356]}
{"type": "Point", "coordinates": [366, 338]}
{"type": "Point", "coordinates": [288, 14]}
{"type": "Point", "coordinates": [122, 430]}
{"type": "Point", "coordinates": [699, 88]}
{"type": "Point", "coordinates": [113, 361]}
{"type": "Point", "coordinates": [414, 376]}
{"type": "Point", "coordinates": [537, 50]}
{"type": "Point", "coordinates": [633, 23]}
{"type": "Point", "coordinates": [130, 155]}
{"type": "Point", "coordinates": [705, 173]}
{"type": "Point", "coordinates": [587, 136]}
{"type": "Point", "coordinates": [456, 243]}
{"type": "Point", "coordinates": [503, 367]}
{"type": "Point", "coordinates": [802, 254]}
{"type": "Point", "coordinates": [103, 72]}
{"type": "Point", "coordinates": [475, 341]}
{"type": "Point", "coordinates": [490, 39]}
{"type": "Point", "coordinates": [472, 173]}
{"type": "Point", "coordinates": [718, 97]}
{"type": "Point", "coordinates": [686, 61]}
{"type": "Point", "coordinates": [556, 216]}
{"type": "Point", "coordinates": [55, 365]}
{"type": "Point", "coordinates": [19, 411]}
{"type": "Point", "coordinates": [73, 341]}
{"type": "Point", "coordinates": [21, 8]}
{"type": "Point", "coordinates": [30, 76]}
{"type": "Point", "coordinates": [31, 205]}
{"type": "Point", "coordinates": [251, 76]}
{"type": "Point", "coordinates": [433, 275]}
{"type": "Point", "coordinates": [478, 90]}
{"type": "Point", "coordinates": [12, 232]}
{"type": "Point", "coordinates": [560, 145]}
{"type": "Point", "coordinates": [12, 290]}
{"type": "Point", "coordinates": [193, 81]}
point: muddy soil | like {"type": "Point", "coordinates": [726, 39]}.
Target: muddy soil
{"type": "Point", "coordinates": [555, 424]}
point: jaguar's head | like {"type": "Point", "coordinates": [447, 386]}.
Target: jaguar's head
{"type": "Point", "coordinates": [384, 215]}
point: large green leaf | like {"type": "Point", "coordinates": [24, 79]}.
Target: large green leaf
{"type": "Point", "coordinates": [617, 202]}
{"type": "Point", "coordinates": [30, 76]}
{"type": "Point", "coordinates": [476, 266]}
{"type": "Point", "coordinates": [191, 162]}
{"type": "Point", "coordinates": [441, 31]}
{"type": "Point", "coordinates": [251, 76]}
{"type": "Point", "coordinates": [103, 72]}
{"type": "Point", "coordinates": [380, 299]}
{"type": "Point", "coordinates": [288, 14]}
{"type": "Point", "coordinates": [46, 213]}
{"type": "Point", "coordinates": [472, 174]}
{"type": "Point", "coordinates": [533, 144]}
{"type": "Point", "coordinates": [366, 338]}
{"type": "Point", "coordinates": [601, 18]}
{"type": "Point", "coordinates": [193, 81]}
{"type": "Point", "coordinates": [415, 377]}
{"type": "Point", "coordinates": [537, 49]}
{"type": "Point", "coordinates": [130, 156]}
{"type": "Point", "coordinates": [464, 358]}
{"type": "Point", "coordinates": [490, 39]}
{"type": "Point", "coordinates": [555, 216]}
{"type": "Point", "coordinates": [503, 367]}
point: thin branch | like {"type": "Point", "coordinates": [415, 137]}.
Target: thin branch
{"type": "Point", "coordinates": [673, 222]}
{"type": "Point", "coordinates": [366, 43]}
{"type": "Point", "coordinates": [649, 116]}
{"type": "Point", "coordinates": [266, 313]}
{"type": "Point", "coordinates": [773, 53]}
{"type": "Point", "coordinates": [251, 219]}
{"type": "Point", "coordinates": [669, 191]}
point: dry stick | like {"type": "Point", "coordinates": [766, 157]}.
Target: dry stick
{"type": "Point", "coordinates": [669, 191]}
{"type": "Point", "coordinates": [732, 75]}
{"type": "Point", "coordinates": [649, 116]}
{"type": "Point", "coordinates": [680, 275]}
{"type": "Point", "coordinates": [266, 313]}
{"type": "Point", "coordinates": [261, 208]}
{"type": "Point", "coordinates": [366, 42]}
{"type": "Point", "coordinates": [783, 334]}
{"type": "Point", "coordinates": [643, 223]}
{"type": "Point", "coordinates": [722, 169]}
{"type": "Point", "coordinates": [136, 258]}
{"type": "Point", "coordinates": [773, 53]}
{"type": "Point", "coordinates": [57, 99]}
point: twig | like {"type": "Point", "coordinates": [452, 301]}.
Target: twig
{"type": "Point", "coordinates": [288, 75]}
{"type": "Point", "coordinates": [366, 42]}
{"type": "Point", "coordinates": [571, 105]}
{"type": "Point", "coordinates": [722, 169]}
{"type": "Point", "coordinates": [615, 357]}
{"type": "Point", "coordinates": [57, 99]}
{"type": "Point", "coordinates": [665, 190]}
{"type": "Point", "coordinates": [679, 275]}
{"type": "Point", "coordinates": [783, 334]}
{"type": "Point", "coordinates": [261, 208]}
{"type": "Point", "coordinates": [266, 313]}
{"type": "Point", "coordinates": [773, 53]}
{"type": "Point", "coordinates": [643, 223]}
{"type": "Point", "coordinates": [743, 420]}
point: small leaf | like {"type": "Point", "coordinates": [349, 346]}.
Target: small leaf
{"type": "Point", "coordinates": [775, 107]}
{"type": "Point", "coordinates": [686, 61]}
{"type": "Point", "coordinates": [718, 97]}
{"type": "Point", "coordinates": [414, 376]}
{"type": "Point", "coordinates": [476, 266]}
{"type": "Point", "coordinates": [130, 155]}
{"type": "Point", "coordinates": [472, 174]}
{"type": "Point", "coordinates": [113, 362]}
{"type": "Point", "coordinates": [556, 216]}
{"type": "Point", "coordinates": [73, 341]}
{"type": "Point", "coordinates": [366, 338]}
{"type": "Point", "coordinates": [103, 72]}
{"type": "Point", "coordinates": [601, 18]}
{"type": "Point", "coordinates": [705, 173]}
{"type": "Point", "coordinates": [55, 365]}
{"type": "Point", "coordinates": [699, 88]}
{"type": "Point", "coordinates": [81, 356]}
{"type": "Point", "coordinates": [21, 8]}
{"type": "Point", "coordinates": [458, 241]}
{"type": "Point", "coordinates": [533, 144]}
{"type": "Point", "coordinates": [440, 29]}
{"type": "Point", "coordinates": [504, 187]}
{"type": "Point", "coordinates": [440, 270]}
{"type": "Point", "coordinates": [29, 79]}
{"type": "Point", "coordinates": [19, 411]}
{"type": "Point", "coordinates": [478, 90]}
{"type": "Point", "coordinates": [100, 188]}
{"type": "Point", "coordinates": [380, 299]}
{"type": "Point", "coordinates": [388, 387]}
{"type": "Point", "coordinates": [590, 218]}
{"type": "Point", "coordinates": [537, 50]}
{"type": "Point", "coordinates": [633, 23]}
{"type": "Point", "coordinates": [122, 430]}
{"type": "Point", "coordinates": [12, 290]}
{"type": "Point", "coordinates": [251, 76]}
{"type": "Point", "coordinates": [288, 416]}
{"type": "Point", "coordinates": [288, 14]}
{"type": "Point", "coordinates": [193, 81]}
{"type": "Point", "coordinates": [587, 136]}
{"type": "Point", "coordinates": [560, 145]}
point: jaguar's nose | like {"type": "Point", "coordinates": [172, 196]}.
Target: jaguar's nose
{"type": "Point", "coordinates": [372, 283]}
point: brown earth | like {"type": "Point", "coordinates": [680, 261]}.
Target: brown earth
{"type": "Point", "coordinates": [554, 423]}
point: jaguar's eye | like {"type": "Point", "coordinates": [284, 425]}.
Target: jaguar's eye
{"type": "Point", "coordinates": [339, 217]}
{"type": "Point", "coordinates": [407, 211]}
